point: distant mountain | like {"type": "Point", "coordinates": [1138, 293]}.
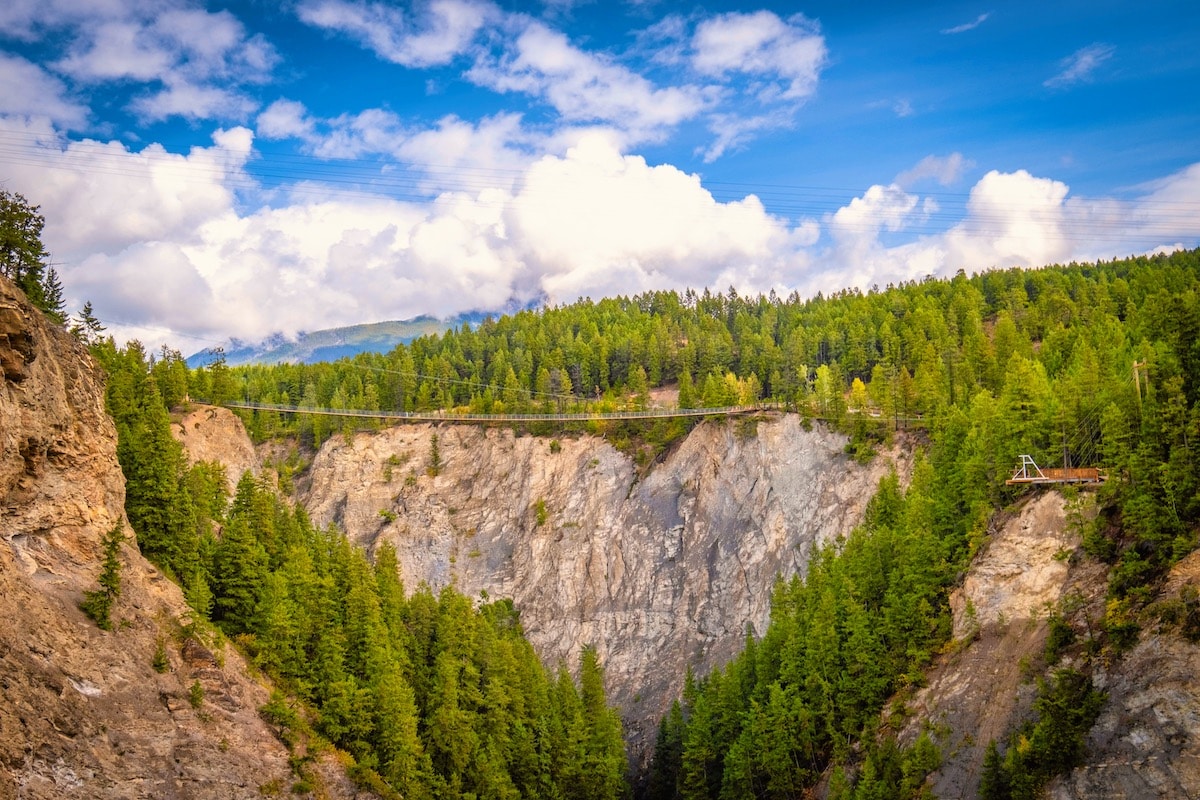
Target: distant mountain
{"type": "Point", "coordinates": [333, 343]}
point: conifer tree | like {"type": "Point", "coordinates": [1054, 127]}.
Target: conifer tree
{"type": "Point", "coordinates": [98, 604]}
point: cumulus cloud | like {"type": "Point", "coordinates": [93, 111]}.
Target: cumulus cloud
{"type": "Point", "coordinates": [29, 91]}
{"type": "Point", "coordinates": [193, 102]}
{"type": "Point", "coordinates": [195, 44]}
{"type": "Point", "coordinates": [1080, 65]}
{"type": "Point", "coordinates": [179, 60]}
{"type": "Point", "coordinates": [879, 207]}
{"type": "Point", "coordinates": [435, 35]}
{"type": "Point", "coordinates": [189, 245]}
{"type": "Point", "coordinates": [789, 54]}
{"type": "Point", "coordinates": [597, 222]}
{"type": "Point", "coordinates": [1011, 219]}
{"type": "Point", "coordinates": [453, 153]}
{"type": "Point", "coordinates": [29, 20]}
{"type": "Point", "coordinates": [285, 119]}
{"type": "Point", "coordinates": [100, 197]}
{"type": "Point", "coordinates": [586, 87]}
{"type": "Point", "coordinates": [177, 250]}
{"type": "Point", "coordinates": [946, 170]}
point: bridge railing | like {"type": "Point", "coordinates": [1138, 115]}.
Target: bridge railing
{"type": "Point", "coordinates": [450, 416]}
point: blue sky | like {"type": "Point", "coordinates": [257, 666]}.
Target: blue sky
{"type": "Point", "coordinates": [215, 170]}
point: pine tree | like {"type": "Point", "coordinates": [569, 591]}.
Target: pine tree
{"type": "Point", "coordinates": [239, 571]}
{"type": "Point", "coordinates": [98, 604]}
{"type": "Point", "coordinates": [687, 390]}
{"type": "Point", "coordinates": [603, 764]}
{"type": "Point", "coordinates": [23, 256]}
{"type": "Point", "coordinates": [87, 327]}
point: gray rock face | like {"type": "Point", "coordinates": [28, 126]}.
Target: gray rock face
{"type": "Point", "coordinates": [985, 689]}
{"type": "Point", "coordinates": [660, 573]}
{"type": "Point", "coordinates": [1146, 742]}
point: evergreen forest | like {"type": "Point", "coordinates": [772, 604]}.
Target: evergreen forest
{"type": "Point", "coordinates": [433, 696]}
{"type": "Point", "coordinates": [1079, 365]}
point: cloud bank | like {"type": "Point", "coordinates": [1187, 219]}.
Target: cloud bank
{"type": "Point", "coordinates": [182, 252]}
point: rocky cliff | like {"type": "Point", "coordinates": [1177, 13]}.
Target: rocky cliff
{"type": "Point", "coordinates": [1146, 742]}
{"type": "Point", "coordinates": [665, 571]}
{"type": "Point", "coordinates": [661, 572]}
{"type": "Point", "coordinates": [83, 712]}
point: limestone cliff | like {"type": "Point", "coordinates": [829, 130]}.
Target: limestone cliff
{"type": "Point", "coordinates": [1146, 742]}
{"type": "Point", "coordinates": [83, 713]}
{"type": "Point", "coordinates": [665, 571]}
{"type": "Point", "coordinates": [211, 433]}
{"type": "Point", "coordinates": [660, 573]}
{"type": "Point", "coordinates": [986, 688]}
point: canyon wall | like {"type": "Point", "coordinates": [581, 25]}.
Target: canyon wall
{"type": "Point", "coordinates": [83, 711]}
{"type": "Point", "coordinates": [661, 572]}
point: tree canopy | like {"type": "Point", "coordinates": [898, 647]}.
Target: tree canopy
{"type": "Point", "coordinates": [23, 257]}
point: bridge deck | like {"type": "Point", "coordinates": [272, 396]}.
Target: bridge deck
{"type": "Point", "coordinates": [1059, 475]}
{"type": "Point", "coordinates": [446, 416]}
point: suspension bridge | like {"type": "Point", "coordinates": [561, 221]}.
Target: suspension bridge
{"type": "Point", "coordinates": [483, 419]}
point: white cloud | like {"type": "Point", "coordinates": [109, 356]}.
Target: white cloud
{"type": "Point", "coordinates": [885, 207]}
{"type": "Point", "coordinates": [189, 61]}
{"type": "Point", "coordinates": [191, 44]}
{"type": "Point", "coordinates": [778, 60]}
{"type": "Point", "coordinates": [453, 154]}
{"type": "Point", "coordinates": [441, 31]}
{"type": "Point", "coordinates": [946, 170]}
{"type": "Point", "coordinates": [29, 91]}
{"type": "Point", "coordinates": [761, 44]}
{"type": "Point", "coordinates": [176, 250]}
{"type": "Point", "coordinates": [1013, 219]}
{"type": "Point", "coordinates": [733, 130]}
{"type": "Point", "coordinates": [285, 119]}
{"type": "Point", "coordinates": [159, 239]}
{"type": "Point", "coordinates": [1080, 65]}
{"type": "Point", "coordinates": [195, 102]}
{"type": "Point", "coordinates": [462, 155]}
{"type": "Point", "coordinates": [968, 26]}
{"type": "Point", "coordinates": [29, 20]}
{"type": "Point", "coordinates": [100, 197]}
{"type": "Point", "coordinates": [598, 223]}
{"type": "Point", "coordinates": [586, 87]}
{"type": "Point", "coordinates": [115, 51]}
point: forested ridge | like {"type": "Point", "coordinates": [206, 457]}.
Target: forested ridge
{"type": "Point", "coordinates": [1092, 364]}
{"type": "Point", "coordinates": [435, 696]}
{"type": "Point", "coordinates": [1087, 364]}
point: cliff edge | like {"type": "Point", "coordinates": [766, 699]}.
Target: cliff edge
{"type": "Point", "coordinates": [84, 713]}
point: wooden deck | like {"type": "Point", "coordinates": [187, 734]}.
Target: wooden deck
{"type": "Point", "coordinates": [1030, 473]}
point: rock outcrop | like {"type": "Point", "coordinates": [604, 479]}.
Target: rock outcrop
{"type": "Point", "coordinates": [1146, 741]}
{"type": "Point", "coordinates": [661, 572]}
{"type": "Point", "coordinates": [83, 712]}
{"type": "Point", "coordinates": [212, 433]}
{"type": "Point", "coordinates": [986, 688]}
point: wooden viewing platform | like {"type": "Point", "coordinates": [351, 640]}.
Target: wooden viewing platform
{"type": "Point", "coordinates": [1029, 472]}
